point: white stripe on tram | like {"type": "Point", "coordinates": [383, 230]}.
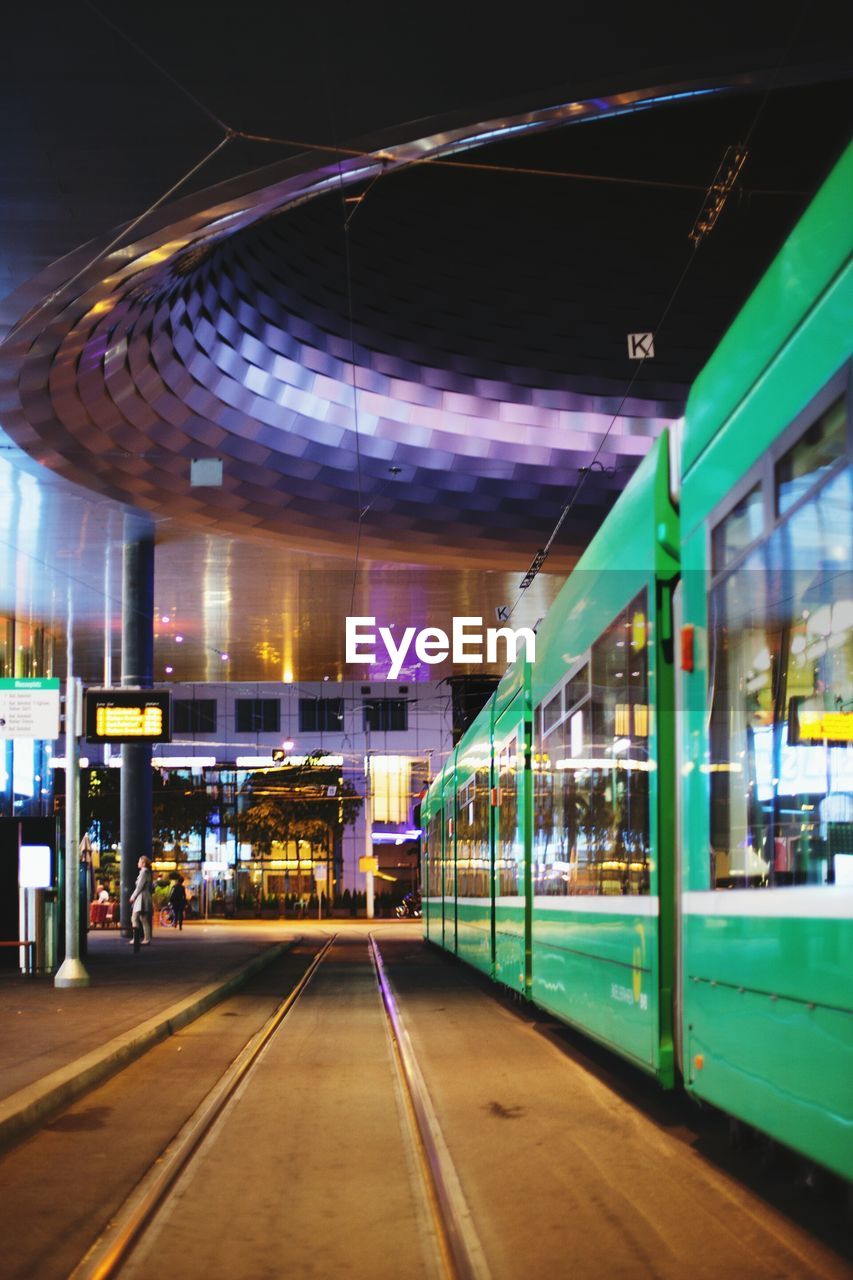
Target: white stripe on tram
{"type": "Point", "coordinates": [808, 902]}
{"type": "Point", "coordinates": [606, 904]}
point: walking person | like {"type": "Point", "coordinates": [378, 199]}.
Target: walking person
{"type": "Point", "coordinates": [178, 901]}
{"type": "Point", "coordinates": [142, 905]}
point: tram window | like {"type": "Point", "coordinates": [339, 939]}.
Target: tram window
{"type": "Point", "coordinates": [432, 888]}
{"type": "Point", "coordinates": [742, 526]}
{"type": "Point", "coordinates": [591, 780]}
{"type": "Point", "coordinates": [814, 454]}
{"type": "Point", "coordinates": [551, 713]}
{"type": "Point", "coordinates": [781, 767]}
{"type": "Point", "coordinates": [577, 687]}
{"type": "Point", "coordinates": [473, 863]}
{"type": "Point", "coordinates": [508, 850]}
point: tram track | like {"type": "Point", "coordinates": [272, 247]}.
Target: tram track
{"type": "Point", "coordinates": [461, 1251]}
{"type": "Point", "coordinates": [114, 1245]}
{"type": "Point", "coordinates": [451, 1234]}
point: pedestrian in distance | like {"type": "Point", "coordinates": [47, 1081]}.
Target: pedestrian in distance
{"type": "Point", "coordinates": [142, 905]}
{"type": "Point", "coordinates": [178, 901]}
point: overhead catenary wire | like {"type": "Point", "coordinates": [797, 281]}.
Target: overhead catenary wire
{"type": "Point", "coordinates": [122, 236]}
{"type": "Point", "coordinates": [542, 554]}
{"type": "Point", "coordinates": [526, 171]}
{"type": "Point", "coordinates": [149, 57]}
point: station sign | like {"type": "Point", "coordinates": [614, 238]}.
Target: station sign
{"type": "Point", "coordinates": [128, 715]}
{"type": "Point", "coordinates": [29, 708]}
{"type": "Point", "coordinates": [368, 865]}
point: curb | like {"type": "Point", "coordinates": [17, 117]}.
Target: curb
{"type": "Point", "coordinates": [31, 1106]}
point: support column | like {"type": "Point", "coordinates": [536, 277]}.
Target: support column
{"type": "Point", "coordinates": [137, 669]}
{"type": "Point", "coordinates": [72, 972]}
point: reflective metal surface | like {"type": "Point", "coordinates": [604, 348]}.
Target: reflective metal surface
{"type": "Point", "coordinates": [226, 608]}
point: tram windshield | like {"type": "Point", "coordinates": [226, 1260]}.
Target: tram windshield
{"type": "Point", "coordinates": [781, 670]}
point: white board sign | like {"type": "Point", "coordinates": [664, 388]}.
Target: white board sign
{"type": "Point", "coordinates": [29, 708]}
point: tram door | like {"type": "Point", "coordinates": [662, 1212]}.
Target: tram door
{"type": "Point", "coordinates": [449, 858]}
{"type": "Point", "coordinates": [510, 826]}
{"type": "Point", "coordinates": [678, 972]}
{"type": "Point", "coordinates": [432, 873]}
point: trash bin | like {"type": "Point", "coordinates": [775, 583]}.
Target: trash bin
{"type": "Point", "coordinates": [46, 926]}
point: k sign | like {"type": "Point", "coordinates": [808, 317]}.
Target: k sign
{"type": "Point", "coordinates": [641, 346]}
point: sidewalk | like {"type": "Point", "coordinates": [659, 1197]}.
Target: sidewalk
{"type": "Point", "coordinates": [54, 1044]}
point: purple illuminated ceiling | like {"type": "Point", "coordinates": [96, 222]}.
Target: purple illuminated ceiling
{"type": "Point", "coordinates": [223, 330]}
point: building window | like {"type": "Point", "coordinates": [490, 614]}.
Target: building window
{"type": "Point", "coordinates": [194, 716]}
{"type": "Point", "coordinates": [386, 715]}
{"type": "Point", "coordinates": [258, 715]}
{"type": "Point", "coordinates": [390, 787]}
{"type": "Point", "coordinates": [321, 715]}
{"type": "Point", "coordinates": [741, 527]}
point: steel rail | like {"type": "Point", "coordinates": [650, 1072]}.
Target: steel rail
{"type": "Point", "coordinates": [462, 1254]}
{"type": "Point", "coordinates": [122, 1233]}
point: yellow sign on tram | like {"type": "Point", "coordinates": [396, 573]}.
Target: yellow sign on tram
{"type": "Point", "coordinates": [829, 726]}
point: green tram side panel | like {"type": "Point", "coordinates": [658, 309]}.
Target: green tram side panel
{"type": "Point", "coordinates": [782, 1064]}
{"type": "Point", "coordinates": [802, 271]}
{"type": "Point", "coordinates": [599, 971]}
{"type": "Point", "coordinates": [474, 915]}
{"type": "Point", "coordinates": [768, 1005]}
{"type": "Point", "coordinates": [512, 926]}
{"type": "Point", "coordinates": [609, 972]}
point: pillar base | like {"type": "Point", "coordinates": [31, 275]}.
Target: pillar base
{"type": "Point", "coordinates": [71, 973]}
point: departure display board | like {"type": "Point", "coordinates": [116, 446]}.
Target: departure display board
{"type": "Point", "coordinates": [128, 715]}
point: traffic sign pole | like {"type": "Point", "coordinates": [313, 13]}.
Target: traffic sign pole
{"type": "Point", "coordinates": [72, 972]}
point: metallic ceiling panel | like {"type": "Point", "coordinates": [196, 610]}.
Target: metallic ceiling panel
{"type": "Point", "coordinates": [245, 351]}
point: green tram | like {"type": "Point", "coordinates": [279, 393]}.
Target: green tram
{"type": "Point", "coordinates": [649, 831]}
